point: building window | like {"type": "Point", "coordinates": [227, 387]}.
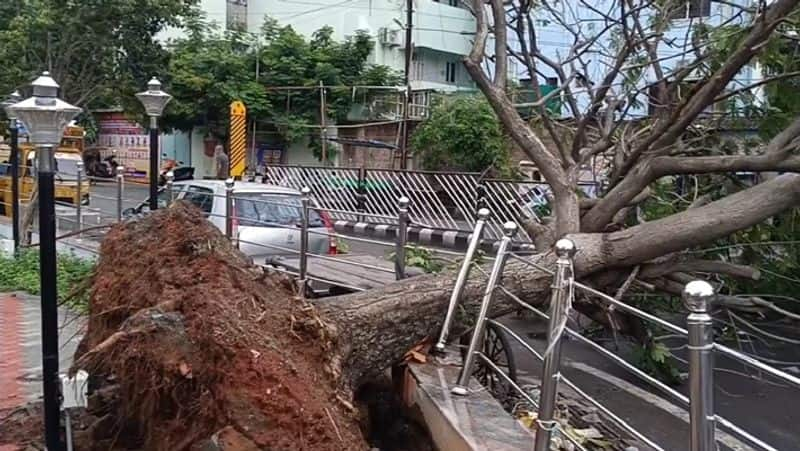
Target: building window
{"type": "Point", "coordinates": [453, 2]}
{"type": "Point", "coordinates": [450, 72]}
{"type": "Point", "coordinates": [236, 16]}
{"type": "Point", "coordinates": [692, 9]}
{"type": "Point", "coordinates": [417, 67]}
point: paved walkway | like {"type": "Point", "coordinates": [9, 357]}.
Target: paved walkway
{"type": "Point", "coordinates": [21, 347]}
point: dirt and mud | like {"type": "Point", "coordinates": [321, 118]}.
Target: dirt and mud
{"type": "Point", "coordinates": [195, 340]}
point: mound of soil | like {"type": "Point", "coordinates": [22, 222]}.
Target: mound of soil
{"type": "Point", "coordinates": [195, 340]}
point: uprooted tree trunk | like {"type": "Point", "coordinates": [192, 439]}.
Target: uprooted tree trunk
{"type": "Point", "coordinates": [190, 338]}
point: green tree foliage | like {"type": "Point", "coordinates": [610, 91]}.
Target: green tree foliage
{"type": "Point", "coordinates": [780, 56]}
{"type": "Point", "coordinates": [95, 49]}
{"type": "Point", "coordinates": [289, 59]}
{"type": "Point", "coordinates": [462, 133]}
{"type": "Point", "coordinates": [209, 69]}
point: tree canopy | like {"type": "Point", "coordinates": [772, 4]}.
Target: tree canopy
{"type": "Point", "coordinates": [699, 83]}
{"type": "Point", "coordinates": [462, 133]}
{"type": "Point", "coordinates": [94, 49]}
{"type": "Point", "coordinates": [209, 69]}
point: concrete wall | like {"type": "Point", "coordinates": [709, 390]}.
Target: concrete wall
{"type": "Point", "coordinates": [429, 70]}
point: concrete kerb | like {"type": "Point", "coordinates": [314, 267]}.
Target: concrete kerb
{"type": "Point", "coordinates": [452, 239]}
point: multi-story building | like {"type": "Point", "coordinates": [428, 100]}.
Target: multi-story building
{"type": "Point", "coordinates": [441, 35]}
{"type": "Point", "coordinates": [441, 31]}
{"type": "Point", "coordinates": [674, 51]}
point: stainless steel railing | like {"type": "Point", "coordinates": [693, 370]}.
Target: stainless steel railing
{"type": "Point", "coordinates": [698, 298]}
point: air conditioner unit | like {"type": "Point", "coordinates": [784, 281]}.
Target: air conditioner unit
{"type": "Point", "coordinates": [387, 37]}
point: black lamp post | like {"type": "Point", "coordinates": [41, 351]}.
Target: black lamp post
{"type": "Point", "coordinates": [154, 101]}
{"type": "Point", "coordinates": [45, 116]}
{"type": "Point", "coordinates": [14, 165]}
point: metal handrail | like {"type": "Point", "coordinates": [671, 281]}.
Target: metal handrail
{"type": "Point", "coordinates": [341, 260]}
{"type": "Point", "coordinates": [585, 395]}
{"type": "Point", "coordinates": [732, 353]}
{"type": "Point", "coordinates": [318, 279]}
{"type": "Point", "coordinates": [696, 297]}
{"type": "Point", "coordinates": [633, 310]}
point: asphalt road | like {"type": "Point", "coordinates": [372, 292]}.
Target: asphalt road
{"type": "Point", "coordinates": [761, 406]}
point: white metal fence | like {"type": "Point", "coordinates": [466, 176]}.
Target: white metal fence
{"type": "Point", "coordinates": [443, 200]}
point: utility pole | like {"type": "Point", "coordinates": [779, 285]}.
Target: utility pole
{"type": "Point", "coordinates": [254, 154]}
{"type": "Point", "coordinates": [407, 79]}
{"type": "Point", "coordinates": [323, 132]}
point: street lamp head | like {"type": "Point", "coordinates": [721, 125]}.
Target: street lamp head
{"type": "Point", "coordinates": [154, 99]}
{"type": "Point", "coordinates": [12, 99]}
{"type": "Point", "coordinates": [44, 115]}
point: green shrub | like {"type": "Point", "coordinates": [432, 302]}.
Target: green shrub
{"type": "Point", "coordinates": [21, 273]}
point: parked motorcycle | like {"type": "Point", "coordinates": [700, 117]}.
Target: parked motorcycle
{"type": "Point", "coordinates": [99, 167]}
{"type": "Point", "coordinates": [179, 171]}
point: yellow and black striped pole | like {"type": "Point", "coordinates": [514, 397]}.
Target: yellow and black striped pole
{"type": "Point", "coordinates": [238, 139]}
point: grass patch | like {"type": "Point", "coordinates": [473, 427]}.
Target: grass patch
{"type": "Point", "coordinates": [21, 273]}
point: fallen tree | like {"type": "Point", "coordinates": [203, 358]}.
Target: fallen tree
{"type": "Point", "coordinates": [195, 340]}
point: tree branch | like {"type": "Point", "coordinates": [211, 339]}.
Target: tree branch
{"type": "Point", "coordinates": [654, 270]}
{"type": "Point", "coordinates": [700, 225]}
{"type": "Point", "coordinates": [662, 166]}
{"type": "Point", "coordinates": [668, 130]}
{"type": "Point", "coordinates": [566, 202]}
{"type": "Point", "coordinates": [500, 44]}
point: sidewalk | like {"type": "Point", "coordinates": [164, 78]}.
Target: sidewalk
{"type": "Point", "coordinates": [21, 347]}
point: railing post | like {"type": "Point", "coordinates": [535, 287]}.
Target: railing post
{"type": "Point", "coordinates": [480, 196]}
{"type": "Point", "coordinates": [559, 303]}
{"type": "Point", "coordinates": [306, 202]}
{"type": "Point", "coordinates": [79, 183]}
{"type": "Point", "coordinates": [120, 188]}
{"type": "Point", "coordinates": [461, 280]}
{"type": "Point", "coordinates": [401, 239]}
{"type": "Point", "coordinates": [479, 332]}
{"type": "Point", "coordinates": [698, 296]}
{"type": "Point", "coordinates": [229, 208]}
{"type": "Point", "coordinates": [170, 182]}
{"type": "Point", "coordinates": [361, 193]}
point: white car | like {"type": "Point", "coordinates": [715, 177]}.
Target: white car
{"type": "Point", "coordinates": [267, 218]}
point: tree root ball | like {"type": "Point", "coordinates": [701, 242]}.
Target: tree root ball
{"type": "Point", "coordinates": [197, 340]}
